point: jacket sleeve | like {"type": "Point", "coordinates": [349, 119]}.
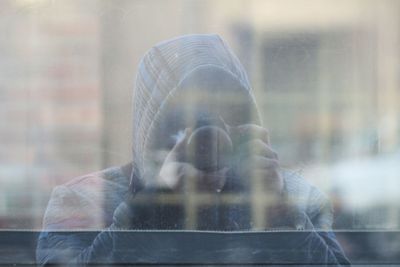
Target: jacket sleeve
{"type": "Point", "coordinates": [321, 241]}
{"type": "Point", "coordinates": [68, 236]}
{"type": "Point", "coordinates": [61, 243]}
{"type": "Point", "coordinates": [72, 248]}
{"type": "Point", "coordinates": [323, 248]}
{"type": "Point", "coordinates": [311, 211]}
{"type": "Point", "coordinates": [315, 219]}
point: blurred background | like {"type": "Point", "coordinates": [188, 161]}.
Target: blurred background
{"type": "Point", "coordinates": [326, 76]}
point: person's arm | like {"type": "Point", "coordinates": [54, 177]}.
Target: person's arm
{"type": "Point", "coordinates": [258, 158]}
{"type": "Point", "coordinates": [324, 248]}
{"type": "Point", "coordinates": [70, 231]}
{"type": "Point", "coordinates": [322, 225]}
{"type": "Point", "coordinates": [320, 241]}
{"type": "Point", "coordinates": [75, 247]}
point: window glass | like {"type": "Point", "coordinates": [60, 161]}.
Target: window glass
{"type": "Point", "coordinates": [217, 111]}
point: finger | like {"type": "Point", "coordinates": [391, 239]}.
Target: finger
{"type": "Point", "coordinates": [270, 176]}
{"type": "Point", "coordinates": [187, 170]}
{"type": "Point", "coordinates": [258, 162]}
{"type": "Point", "coordinates": [172, 173]}
{"type": "Point", "coordinates": [257, 147]}
{"type": "Point", "coordinates": [180, 145]}
{"type": "Point", "coordinates": [252, 131]}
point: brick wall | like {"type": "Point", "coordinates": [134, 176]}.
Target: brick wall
{"type": "Point", "coordinates": [50, 102]}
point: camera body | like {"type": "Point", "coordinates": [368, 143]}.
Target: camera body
{"type": "Point", "coordinates": [209, 149]}
{"type": "Point", "coordinates": [215, 146]}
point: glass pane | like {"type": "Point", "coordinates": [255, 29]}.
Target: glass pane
{"type": "Point", "coordinates": [186, 120]}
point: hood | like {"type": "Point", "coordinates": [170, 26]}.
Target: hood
{"type": "Point", "coordinates": [171, 77]}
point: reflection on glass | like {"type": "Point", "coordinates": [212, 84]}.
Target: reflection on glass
{"type": "Point", "coordinates": [325, 80]}
{"type": "Point", "coordinates": [218, 173]}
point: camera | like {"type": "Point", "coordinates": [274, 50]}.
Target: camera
{"type": "Point", "coordinates": [214, 146]}
{"type": "Point", "coordinates": [209, 148]}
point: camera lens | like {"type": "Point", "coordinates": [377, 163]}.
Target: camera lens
{"type": "Point", "coordinates": [209, 148]}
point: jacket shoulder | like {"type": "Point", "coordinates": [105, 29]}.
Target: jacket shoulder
{"type": "Point", "coordinates": [110, 176]}
{"type": "Point", "coordinates": [309, 199]}
{"type": "Point", "coordinates": [86, 202]}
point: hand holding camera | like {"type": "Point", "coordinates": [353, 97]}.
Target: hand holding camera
{"type": "Point", "coordinates": [256, 157]}
{"type": "Point", "coordinates": [209, 152]}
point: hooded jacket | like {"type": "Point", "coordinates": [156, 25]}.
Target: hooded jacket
{"type": "Point", "coordinates": [96, 201]}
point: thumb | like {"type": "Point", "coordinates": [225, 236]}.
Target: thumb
{"type": "Point", "coordinates": [179, 147]}
{"type": "Point", "coordinates": [246, 132]}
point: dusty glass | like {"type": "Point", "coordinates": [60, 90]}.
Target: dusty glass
{"type": "Point", "coordinates": [225, 122]}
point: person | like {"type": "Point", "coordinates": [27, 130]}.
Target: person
{"type": "Point", "coordinates": [196, 124]}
